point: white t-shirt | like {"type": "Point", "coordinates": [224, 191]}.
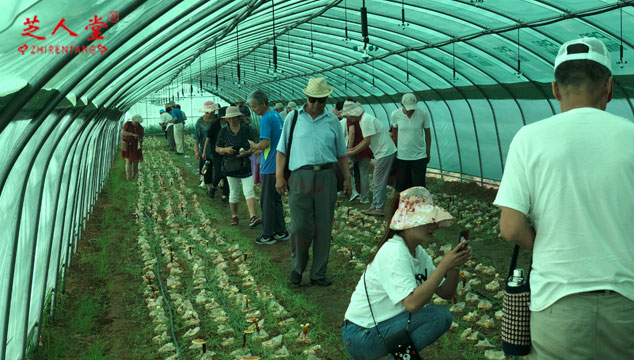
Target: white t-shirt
{"type": "Point", "coordinates": [166, 118]}
{"type": "Point", "coordinates": [344, 126]}
{"type": "Point", "coordinates": [411, 137]}
{"type": "Point", "coordinates": [574, 174]}
{"type": "Point", "coordinates": [379, 131]}
{"type": "Point", "coordinates": [390, 278]}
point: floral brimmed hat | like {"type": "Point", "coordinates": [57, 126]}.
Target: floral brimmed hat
{"type": "Point", "coordinates": [416, 207]}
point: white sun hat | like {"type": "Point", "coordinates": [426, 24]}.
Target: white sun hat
{"type": "Point", "coordinates": [317, 88]}
{"type": "Point", "coordinates": [351, 108]}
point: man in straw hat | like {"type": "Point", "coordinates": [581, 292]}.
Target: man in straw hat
{"type": "Point", "coordinates": [571, 173]}
{"type": "Point", "coordinates": [318, 143]}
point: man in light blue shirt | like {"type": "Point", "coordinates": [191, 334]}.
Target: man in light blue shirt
{"type": "Point", "coordinates": [317, 145]}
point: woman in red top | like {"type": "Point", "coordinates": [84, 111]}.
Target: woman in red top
{"type": "Point", "coordinates": [132, 132]}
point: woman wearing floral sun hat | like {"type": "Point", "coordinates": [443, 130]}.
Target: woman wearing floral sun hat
{"type": "Point", "coordinates": [401, 279]}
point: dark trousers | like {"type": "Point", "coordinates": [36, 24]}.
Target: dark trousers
{"type": "Point", "coordinates": [410, 173]}
{"type": "Point", "coordinates": [201, 163]}
{"type": "Point", "coordinates": [171, 144]}
{"type": "Point", "coordinates": [271, 205]}
{"type": "Point", "coordinates": [311, 197]}
{"type": "Point", "coordinates": [214, 173]}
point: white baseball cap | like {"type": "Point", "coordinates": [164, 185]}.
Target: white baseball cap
{"type": "Point", "coordinates": [596, 51]}
{"type": "Point", "coordinates": [409, 101]}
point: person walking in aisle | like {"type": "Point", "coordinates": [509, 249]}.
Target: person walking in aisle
{"type": "Point", "coordinates": [132, 152]}
{"type": "Point", "coordinates": [233, 143]}
{"type": "Point", "coordinates": [179, 132]}
{"type": "Point", "coordinates": [201, 130]}
{"type": "Point", "coordinates": [413, 135]}
{"type": "Point", "coordinates": [317, 144]}
{"type": "Point", "coordinates": [273, 225]}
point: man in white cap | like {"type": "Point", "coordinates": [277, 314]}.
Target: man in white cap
{"type": "Point", "coordinates": [574, 174]}
{"type": "Point", "coordinates": [317, 144]}
{"type": "Point", "coordinates": [376, 136]}
{"type": "Point", "coordinates": [413, 138]}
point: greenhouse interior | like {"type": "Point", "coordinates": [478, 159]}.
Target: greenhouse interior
{"type": "Point", "coordinates": [136, 131]}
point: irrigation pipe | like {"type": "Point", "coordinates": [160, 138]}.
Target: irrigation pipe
{"type": "Point", "coordinates": [169, 308]}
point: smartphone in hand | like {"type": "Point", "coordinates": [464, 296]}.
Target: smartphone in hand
{"type": "Point", "coordinates": [464, 236]}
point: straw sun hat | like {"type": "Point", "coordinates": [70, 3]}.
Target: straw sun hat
{"type": "Point", "coordinates": [232, 111]}
{"type": "Point", "coordinates": [317, 88]}
{"type": "Point", "coordinates": [416, 207]}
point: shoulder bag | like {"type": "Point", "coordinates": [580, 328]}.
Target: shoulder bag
{"type": "Point", "coordinates": [232, 163]}
{"type": "Point", "coordinates": [287, 172]}
{"type": "Point", "coordinates": [516, 316]}
{"type": "Point", "coordinates": [399, 345]}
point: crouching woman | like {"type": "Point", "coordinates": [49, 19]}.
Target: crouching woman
{"type": "Point", "coordinates": [401, 279]}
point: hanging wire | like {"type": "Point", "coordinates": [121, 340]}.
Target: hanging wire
{"type": "Point", "coordinates": [407, 67]}
{"type": "Point", "coordinates": [200, 74]}
{"type": "Point", "coordinates": [453, 55]}
{"type": "Point", "coordinates": [403, 23]}
{"type": "Point", "coordinates": [311, 39]}
{"type": "Point", "coordinates": [274, 44]}
{"type": "Point", "coordinates": [346, 20]}
{"type": "Point", "coordinates": [519, 61]}
{"type": "Point", "coordinates": [288, 44]}
{"type": "Point", "coordinates": [238, 52]}
{"type": "Point", "coordinates": [621, 61]}
{"type": "Point", "coordinates": [191, 82]}
{"type": "Point", "coordinates": [216, 63]}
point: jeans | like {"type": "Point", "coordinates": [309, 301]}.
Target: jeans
{"type": "Point", "coordinates": [382, 169]}
{"type": "Point", "coordinates": [427, 325]}
{"type": "Point", "coordinates": [364, 177]}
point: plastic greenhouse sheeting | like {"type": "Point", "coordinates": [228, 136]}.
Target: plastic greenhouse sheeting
{"type": "Point", "coordinates": [73, 71]}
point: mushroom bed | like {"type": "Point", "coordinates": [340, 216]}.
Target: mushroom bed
{"type": "Point", "coordinates": [205, 301]}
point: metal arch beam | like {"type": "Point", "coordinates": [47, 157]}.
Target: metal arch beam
{"type": "Point", "coordinates": [183, 44]}
{"type": "Point", "coordinates": [325, 8]}
{"type": "Point", "coordinates": [486, 32]}
{"type": "Point", "coordinates": [620, 4]}
{"type": "Point", "coordinates": [128, 55]}
{"type": "Point", "coordinates": [20, 99]}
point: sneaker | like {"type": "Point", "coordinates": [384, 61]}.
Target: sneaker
{"type": "Point", "coordinates": [254, 221]}
{"type": "Point", "coordinates": [212, 192]}
{"type": "Point", "coordinates": [354, 196]}
{"type": "Point", "coordinates": [235, 221]}
{"type": "Point", "coordinates": [265, 240]}
{"type": "Point", "coordinates": [282, 236]}
{"type": "Point", "coordinates": [341, 194]}
{"type": "Point", "coordinates": [202, 184]}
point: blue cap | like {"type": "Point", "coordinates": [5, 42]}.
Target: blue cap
{"type": "Point", "coordinates": [161, 111]}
